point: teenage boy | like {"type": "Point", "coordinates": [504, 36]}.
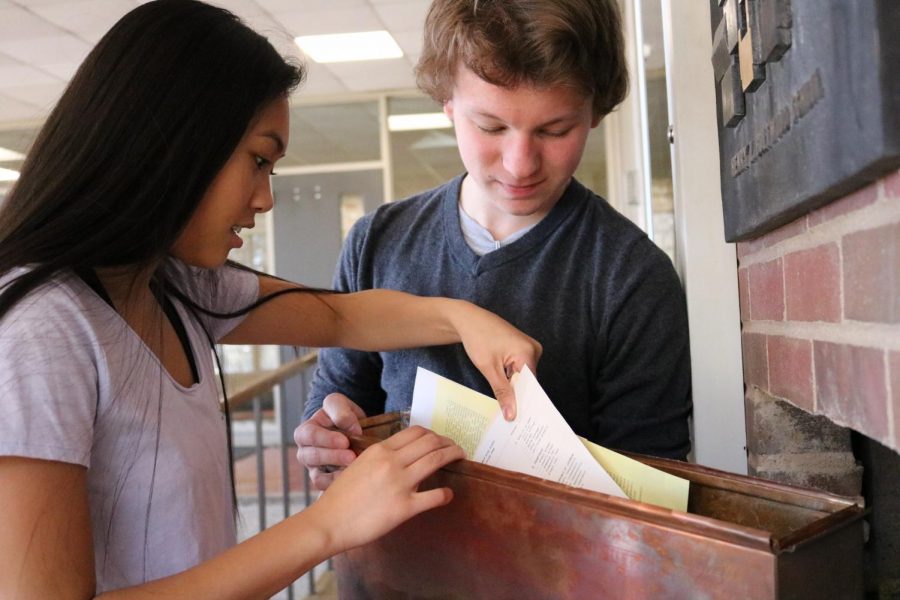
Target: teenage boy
{"type": "Point", "coordinates": [523, 84]}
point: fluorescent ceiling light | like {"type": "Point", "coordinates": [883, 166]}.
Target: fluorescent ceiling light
{"type": "Point", "coordinates": [8, 174]}
{"type": "Point", "coordinates": [7, 155]}
{"type": "Point", "coordinates": [436, 120]}
{"type": "Point", "coordinates": [345, 47]}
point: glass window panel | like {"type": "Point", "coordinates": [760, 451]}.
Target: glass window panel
{"type": "Point", "coordinates": [333, 133]}
{"type": "Point", "coordinates": [661, 190]}
{"type": "Point", "coordinates": [424, 158]}
{"type": "Point", "coordinates": [592, 170]}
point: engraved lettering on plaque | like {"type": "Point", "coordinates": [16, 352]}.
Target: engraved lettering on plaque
{"type": "Point", "coordinates": [803, 100]}
{"type": "Point", "coordinates": [749, 34]}
{"type": "Point", "coordinates": [753, 71]}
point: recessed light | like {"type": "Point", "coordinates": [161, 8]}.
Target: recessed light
{"type": "Point", "coordinates": [412, 122]}
{"type": "Point", "coordinates": [8, 155]}
{"type": "Point", "coordinates": [345, 47]}
{"type": "Point", "coordinates": [8, 174]}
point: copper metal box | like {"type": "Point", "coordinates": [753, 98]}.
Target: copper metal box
{"type": "Point", "coordinates": [507, 535]}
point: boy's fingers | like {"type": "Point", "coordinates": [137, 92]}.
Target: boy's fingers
{"type": "Point", "coordinates": [503, 392]}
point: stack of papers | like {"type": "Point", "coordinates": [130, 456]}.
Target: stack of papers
{"type": "Point", "coordinates": [538, 442]}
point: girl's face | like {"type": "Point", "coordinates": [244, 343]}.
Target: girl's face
{"type": "Point", "coordinates": [240, 191]}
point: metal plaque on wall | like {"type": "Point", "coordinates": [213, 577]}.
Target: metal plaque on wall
{"type": "Point", "coordinates": [808, 101]}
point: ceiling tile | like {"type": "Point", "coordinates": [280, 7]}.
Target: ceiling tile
{"type": "Point", "coordinates": [33, 3]}
{"type": "Point", "coordinates": [44, 96]}
{"type": "Point", "coordinates": [242, 8]}
{"type": "Point", "coordinates": [91, 18]}
{"type": "Point", "coordinates": [411, 44]}
{"type": "Point", "coordinates": [63, 70]}
{"type": "Point", "coordinates": [341, 20]}
{"type": "Point", "coordinates": [404, 16]}
{"type": "Point", "coordinates": [21, 75]}
{"type": "Point", "coordinates": [308, 5]}
{"type": "Point", "coordinates": [14, 110]}
{"type": "Point", "coordinates": [8, 60]}
{"type": "Point", "coordinates": [320, 82]}
{"type": "Point", "coordinates": [277, 34]}
{"type": "Point", "coordinates": [373, 75]}
{"type": "Point", "coordinates": [40, 50]}
{"type": "Point", "coordinates": [18, 23]}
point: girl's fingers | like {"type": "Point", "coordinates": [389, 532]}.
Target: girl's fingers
{"type": "Point", "coordinates": [405, 437]}
{"type": "Point", "coordinates": [432, 460]}
{"type": "Point", "coordinates": [423, 445]}
{"type": "Point", "coordinates": [427, 500]}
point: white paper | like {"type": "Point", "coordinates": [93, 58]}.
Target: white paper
{"type": "Point", "coordinates": [538, 442]}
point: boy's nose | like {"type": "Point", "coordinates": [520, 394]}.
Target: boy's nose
{"type": "Point", "coordinates": [521, 157]}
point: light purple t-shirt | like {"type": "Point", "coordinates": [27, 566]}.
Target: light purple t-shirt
{"type": "Point", "coordinates": [77, 385]}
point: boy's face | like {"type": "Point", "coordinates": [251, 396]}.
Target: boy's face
{"type": "Point", "coordinates": [520, 147]}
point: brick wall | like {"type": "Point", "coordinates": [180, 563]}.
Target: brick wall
{"type": "Point", "coordinates": [820, 307]}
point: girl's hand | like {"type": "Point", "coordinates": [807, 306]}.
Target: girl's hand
{"type": "Point", "coordinates": [498, 350]}
{"type": "Point", "coordinates": [378, 491]}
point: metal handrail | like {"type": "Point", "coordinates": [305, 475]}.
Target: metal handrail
{"type": "Point", "coordinates": [251, 393]}
{"type": "Point", "coordinates": [268, 380]}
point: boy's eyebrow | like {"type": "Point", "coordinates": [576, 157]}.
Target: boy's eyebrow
{"type": "Point", "coordinates": [559, 119]}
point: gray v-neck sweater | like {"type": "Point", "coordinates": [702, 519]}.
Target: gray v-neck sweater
{"type": "Point", "coordinates": [588, 284]}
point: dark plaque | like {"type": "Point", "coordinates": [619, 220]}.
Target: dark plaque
{"type": "Point", "coordinates": [808, 101]}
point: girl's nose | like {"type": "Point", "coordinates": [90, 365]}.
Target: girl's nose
{"type": "Point", "coordinates": [263, 200]}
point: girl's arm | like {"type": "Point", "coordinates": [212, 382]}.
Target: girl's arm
{"type": "Point", "coordinates": [378, 320]}
{"type": "Point", "coordinates": [45, 534]}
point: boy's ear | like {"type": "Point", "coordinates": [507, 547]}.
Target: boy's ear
{"type": "Point", "coordinates": [448, 109]}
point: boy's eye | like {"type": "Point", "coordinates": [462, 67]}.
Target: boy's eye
{"type": "Point", "coordinates": [486, 129]}
{"type": "Point", "coordinates": [556, 133]}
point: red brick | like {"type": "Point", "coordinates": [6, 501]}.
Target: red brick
{"type": "Point", "coordinates": [756, 370]}
{"type": "Point", "coordinates": [871, 274]}
{"type": "Point", "coordinates": [891, 185]}
{"type": "Point", "coordinates": [850, 387]}
{"type": "Point", "coordinates": [767, 291]}
{"type": "Point", "coordinates": [849, 203]}
{"type": "Point", "coordinates": [812, 284]}
{"type": "Point", "coordinates": [743, 249]}
{"type": "Point", "coordinates": [744, 293]}
{"type": "Point", "coordinates": [787, 231]}
{"type": "Point", "coordinates": [750, 246]}
{"type": "Point", "coordinates": [894, 363]}
{"type": "Point", "coordinates": [790, 370]}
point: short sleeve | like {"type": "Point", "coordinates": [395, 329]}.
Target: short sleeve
{"type": "Point", "coordinates": [225, 290]}
{"type": "Point", "coordinates": [49, 378]}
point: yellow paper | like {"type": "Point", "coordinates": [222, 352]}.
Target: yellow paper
{"type": "Point", "coordinates": [642, 482]}
{"type": "Point", "coordinates": [466, 416]}
{"type": "Point", "coordinates": [461, 414]}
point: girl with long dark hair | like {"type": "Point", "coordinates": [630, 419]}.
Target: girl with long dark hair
{"type": "Point", "coordinates": [114, 284]}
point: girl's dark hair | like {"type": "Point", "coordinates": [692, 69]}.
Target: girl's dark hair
{"type": "Point", "coordinates": [143, 128]}
{"type": "Point", "coordinates": [147, 122]}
